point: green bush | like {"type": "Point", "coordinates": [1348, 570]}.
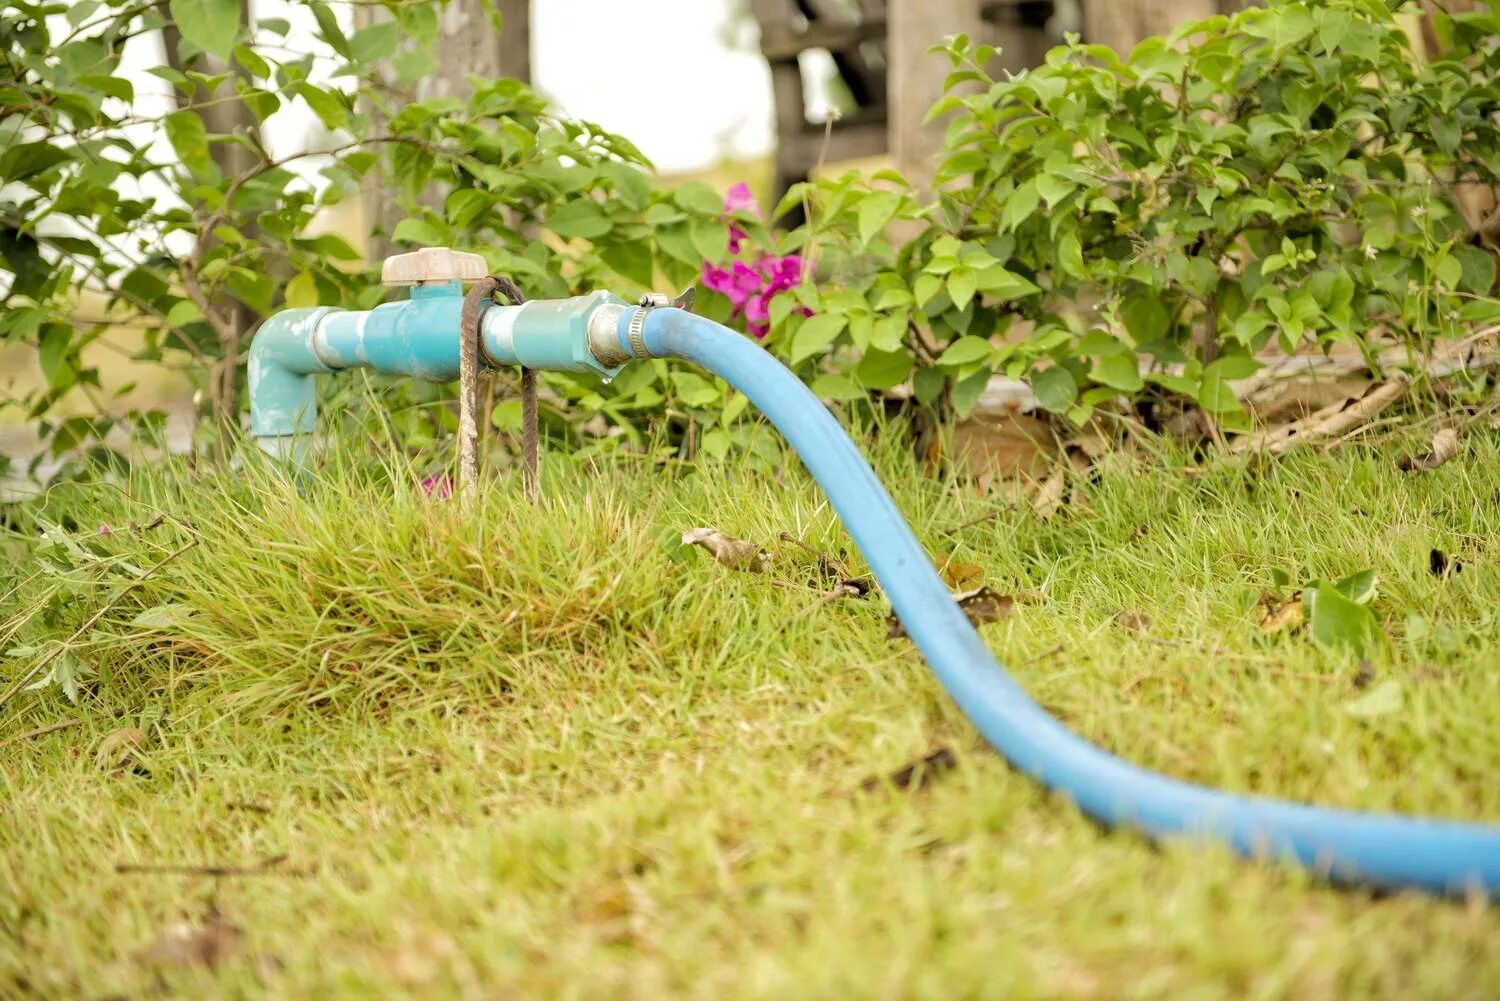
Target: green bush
{"type": "Point", "coordinates": [203, 240]}
{"type": "Point", "coordinates": [1141, 227]}
{"type": "Point", "coordinates": [1113, 229]}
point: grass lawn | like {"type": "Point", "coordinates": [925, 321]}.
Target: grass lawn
{"type": "Point", "coordinates": [544, 753]}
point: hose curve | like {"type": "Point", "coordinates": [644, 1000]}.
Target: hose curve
{"type": "Point", "coordinates": [1385, 850]}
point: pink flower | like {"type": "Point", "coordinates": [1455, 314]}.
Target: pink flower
{"type": "Point", "coordinates": [438, 486]}
{"type": "Point", "coordinates": [739, 199]}
{"type": "Point", "coordinates": [750, 287]}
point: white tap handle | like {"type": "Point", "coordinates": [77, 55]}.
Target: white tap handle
{"type": "Point", "coordinates": [432, 264]}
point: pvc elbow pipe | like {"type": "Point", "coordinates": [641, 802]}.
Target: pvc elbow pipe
{"type": "Point", "coordinates": [418, 337]}
{"type": "Point", "coordinates": [1385, 850]}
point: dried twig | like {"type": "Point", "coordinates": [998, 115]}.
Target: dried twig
{"type": "Point", "coordinates": [267, 867]}
{"type": "Point", "coordinates": [40, 731]}
{"type": "Point", "coordinates": [1330, 422]}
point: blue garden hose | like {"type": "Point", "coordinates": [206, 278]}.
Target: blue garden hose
{"type": "Point", "coordinates": [1384, 850]}
{"type": "Point", "coordinates": [600, 333]}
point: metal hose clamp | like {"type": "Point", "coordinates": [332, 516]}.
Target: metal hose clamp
{"type": "Point", "coordinates": [635, 331]}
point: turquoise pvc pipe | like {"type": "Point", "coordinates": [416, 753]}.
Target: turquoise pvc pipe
{"type": "Point", "coordinates": [1385, 850]}
{"type": "Point", "coordinates": [418, 337]}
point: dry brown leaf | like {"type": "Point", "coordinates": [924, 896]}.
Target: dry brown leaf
{"type": "Point", "coordinates": [1333, 421]}
{"type": "Point", "coordinates": [1444, 447]}
{"type": "Point", "coordinates": [980, 605]}
{"type": "Point", "coordinates": [1015, 446]}
{"type": "Point", "coordinates": [959, 576]}
{"type": "Point", "coordinates": [185, 944]}
{"type": "Point", "coordinates": [1134, 620]}
{"type": "Point", "coordinates": [122, 749]}
{"type": "Point", "coordinates": [736, 554]}
{"type": "Point", "coordinates": [1278, 616]}
{"type": "Point", "coordinates": [1049, 496]}
{"type": "Point", "coordinates": [1296, 399]}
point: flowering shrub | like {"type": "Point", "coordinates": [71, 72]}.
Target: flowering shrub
{"type": "Point", "coordinates": [751, 287]}
{"type": "Point", "coordinates": [1283, 179]}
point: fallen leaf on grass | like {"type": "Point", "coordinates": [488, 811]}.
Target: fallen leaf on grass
{"type": "Point", "coordinates": [164, 617]}
{"type": "Point", "coordinates": [980, 606]}
{"type": "Point", "coordinates": [917, 775]}
{"type": "Point", "coordinates": [736, 554]}
{"type": "Point", "coordinates": [1338, 620]}
{"type": "Point", "coordinates": [1297, 399]}
{"type": "Point", "coordinates": [1444, 447]}
{"type": "Point", "coordinates": [1049, 496]}
{"type": "Point", "coordinates": [122, 750]}
{"type": "Point", "coordinates": [185, 944]}
{"type": "Point", "coordinates": [1015, 446]}
{"type": "Point", "coordinates": [960, 575]}
{"type": "Point", "coordinates": [1382, 700]}
{"type": "Point", "coordinates": [1278, 616]}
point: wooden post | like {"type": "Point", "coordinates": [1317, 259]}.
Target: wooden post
{"type": "Point", "coordinates": [1121, 24]}
{"type": "Point", "coordinates": [467, 43]}
{"type": "Point", "coordinates": [915, 76]}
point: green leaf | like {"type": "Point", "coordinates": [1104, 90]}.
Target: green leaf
{"type": "Point", "coordinates": [209, 24]}
{"type": "Point", "coordinates": [630, 182]}
{"type": "Point", "coordinates": [835, 386]}
{"type": "Point", "coordinates": [883, 369]}
{"type": "Point", "coordinates": [183, 313]}
{"type": "Point", "coordinates": [1144, 315]}
{"type": "Point", "coordinates": [927, 385]}
{"type": "Point", "coordinates": [815, 334]}
{"type": "Point", "coordinates": [581, 217]}
{"type": "Point", "coordinates": [1054, 188]}
{"type": "Point", "coordinates": [925, 287]}
{"type": "Point", "coordinates": [168, 616]}
{"type": "Point", "coordinates": [964, 351]}
{"type": "Point", "coordinates": [1358, 587]}
{"type": "Point", "coordinates": [464, 205]}
{"type": "Point", "coordinates": [1478, 267]}
{"type": "Point", "coordinates": [1214, 394]}
{"type": "Point", "coordinates": [968, 390]}
{"type": "Point", "coordinates": [326, 104]}
{"type": "Point", "coordinates": [188, 137]}
{"type": "Point", "coordinates": [710, 238]}
{"type": "Point", "coordinates": [53, 354]}
{"type": "Point", "coordinates": [1282, 26]}
{"type": "Point", "coordinates": [328, 28]}
{"type": "Point", "coordinates": [1055, 388]}
{"type": "Point", "coordinates": [1446, 132]}
{"type": "Point", "coordinates": [1338, 622]}
{"type": "Point", "coordinates": [302, 290]}
{"type": "Point", "coordinates": [418, 230]}
{"type": "Point", "coordinates": [1119, 371]}
{"type": "Point", "coordinates": [962, 282]}
{"type": "Point", "coordinates": [1002, 284]}
{"type": "Point", "coordinates": [1019, 206]}
{"type": "Point", "coordinates": [875, 211]}
{"type": "Point", "coordinates": [372, 44]}
{"type": "Point", "coordinates": [695, 196]}
{"type": "Point", "coordinates": [1382, 700]}
{"type": "Point", "coordinates": [693, 390]}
